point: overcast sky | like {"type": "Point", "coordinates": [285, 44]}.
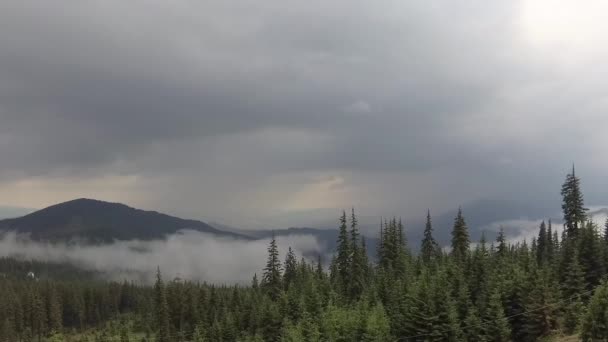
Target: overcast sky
{"type": "Point", "coordinates": [255, 113]}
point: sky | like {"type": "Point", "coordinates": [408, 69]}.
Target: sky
{"type": "Point", "coordinates": [273, 114]}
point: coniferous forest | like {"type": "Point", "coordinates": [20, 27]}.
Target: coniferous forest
{"type": "Point", "coordinates": [487, 290]}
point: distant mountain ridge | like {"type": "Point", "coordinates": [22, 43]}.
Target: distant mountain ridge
{"type": "Point", "coordinates": [99, 221]}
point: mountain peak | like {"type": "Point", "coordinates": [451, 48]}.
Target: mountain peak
{"type": "Point", "coordinates": [97, 220]}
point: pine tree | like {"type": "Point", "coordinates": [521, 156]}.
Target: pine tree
{"type": "Point", "coordinates": [550, 242]}
{"type": "Point", "coordinates": [473, 330]}
{"type": "Point", "coordinates": [542, 242]}
{"type": "Point", "coordinates": [320, 273]}
{"type": "Point", "coordinates": [291, 272]}
{"type": "Point", "coordinates": [501, 249]}
{"type": "Point", "coordinates": [556, 244]}
{"type": "Point", "coordinates": [591, 255]}
{"type": "Point", "coordinates": [595, 321]}
{"type": "Point", "coordinates": [460, 238]}
{"type": "Point", "coordinates": [367, 268]}
{"type": "Point", "coordinates": [401, 251]}
{"type": "Point", "coordinates": [572, 204]}
{"type": "Point", "coordinates": [271, 280]}
{"type": "Point", "coordinates": [162, 310]}
{"type": "Point", "coordinates": [380, 248]}
{"type": "Point", "coordinates": [429, 250]}
{"type": "Point", "coordinates": [541, 313]}
{"type": "Point", "coordinates": [344, 255]}
{"type": "Point", "coordinates": [356, 277]}
{"type": "Point", "coordinates": [573, 283]}
{"type": "Point", "coordinates": [497, 329]}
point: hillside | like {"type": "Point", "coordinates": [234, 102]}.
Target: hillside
{"type": "Point", "coordinates": [102, 222]}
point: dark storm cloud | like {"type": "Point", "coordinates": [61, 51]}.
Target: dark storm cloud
{"type": "Point", "coordinates": [90, 83]}
{"type": "Point", "coordinates": [218, 96]}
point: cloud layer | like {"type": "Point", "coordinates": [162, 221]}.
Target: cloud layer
{"type": "Point", "coordinates": [188, 255]}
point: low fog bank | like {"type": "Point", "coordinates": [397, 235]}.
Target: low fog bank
{"type": "Point", "coordinates": [188, 255]}
{"type": "Point", "coordinates": [523, 229]}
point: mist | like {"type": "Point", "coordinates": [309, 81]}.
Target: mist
{"type": "Point", "coordinates": [188, 255]}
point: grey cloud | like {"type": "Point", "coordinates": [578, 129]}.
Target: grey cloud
{"type": "Point", "coordinates": [91, 84]}
{"type": "Point", "coordinates": [188, 255]}
{"type": "Point", "coordinates": [215, 98]}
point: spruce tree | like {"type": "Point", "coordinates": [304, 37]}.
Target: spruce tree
{"type": "Point", "coordinates": [594, 325]}
{"type": "Point", "coordinates": [541, 313]}
{"type": "Point", "coordinates": [501, 248]}
{"type": "Point", "coordinates": [497, 328]}
{"type": "Point", "coordinates": [320, 273]}
{"type": "Point", "coordinates": [344, 254]}
{"type": "Point", "coordinates": [460, 238]}
{"type": "Point", "coordinates": [591, 255]}
{"type": "Point", "coordinates": [541, 244]}
{"type": "Point", "coordinates": [356, 277]}
{"type": "Point", "coordinates": [380, 248]}
{"type": "Point", "coordinates": [271, 280]}
{"type": "Point", "coordinates": [429, 250]}
{"type": "Point", "coordinates": [550, 242]}
{"type": "Point", "coordinates": [572, 204]}
{"type": "Point", "coordinates": [401, 250]}
{"type": "Point", "coordinates": [291, 272]}
{"type": "Point", "coordinates": [573, 282]}
{"type": "Point", "coordinates": [162, 310]}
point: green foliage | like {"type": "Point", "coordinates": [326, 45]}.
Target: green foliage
{"type": "Point", "coordinates": [271, 280]}
{"type": "Point", "coordinates": [162, 310]}
{"type": "Point", "coordinates": [572, 204]}
{"type": "Point", "coordinates": [595, 320]}
{"type": "Point", "coordinates": [460, 238]}
{"type": "Point", "coordinates": [429, 250]}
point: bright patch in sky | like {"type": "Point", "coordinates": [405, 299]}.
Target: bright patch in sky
{"type": "Point", "coordinates": [568, 22]}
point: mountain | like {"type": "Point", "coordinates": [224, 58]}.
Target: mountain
{"type": "Point", "coordinates": [99, 221]}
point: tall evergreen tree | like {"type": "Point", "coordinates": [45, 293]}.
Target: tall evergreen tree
{"type": "Point", "coordinates": [541, 244]}
{"type": "Point", "coordinates": [162, 310]}
{"type": "Point", "coordinates": [344, 254]}
{"type": "Point", "coordinates": [271, 279]}
{"type": "Point", "coordinates": [320, 273]}
{"type": "Point", "coordinates": [591, 255]}
{"type": "Point", "coordinates": [595, 321]}
{"type": "Point", "coordinates": [380, 247]}
{"type": "Point", "coordinates": [460, 238]}
{"type": "Point", "coordinates": [497, 329]}
{"type": "Point", "coordinates": [429, 250]}
{"type": "Point", "coordinates": [291, 271]}
{"type": "Point", "coordinates": [501, 248]}
{"type": "Point", "coordinates": [550, 242]}
{"type": "Point", "coordinates": [573, 282]}
{"type": "Point", "coordinates": [356, 279]}
{"type": "Point", "coordinates": [572, 204]}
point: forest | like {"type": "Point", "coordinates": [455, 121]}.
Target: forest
{"type": "Point", "coordinates": [542, 289]}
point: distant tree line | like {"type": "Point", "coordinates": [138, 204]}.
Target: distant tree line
{"type": "Point", "coordinates": [490, 291]}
